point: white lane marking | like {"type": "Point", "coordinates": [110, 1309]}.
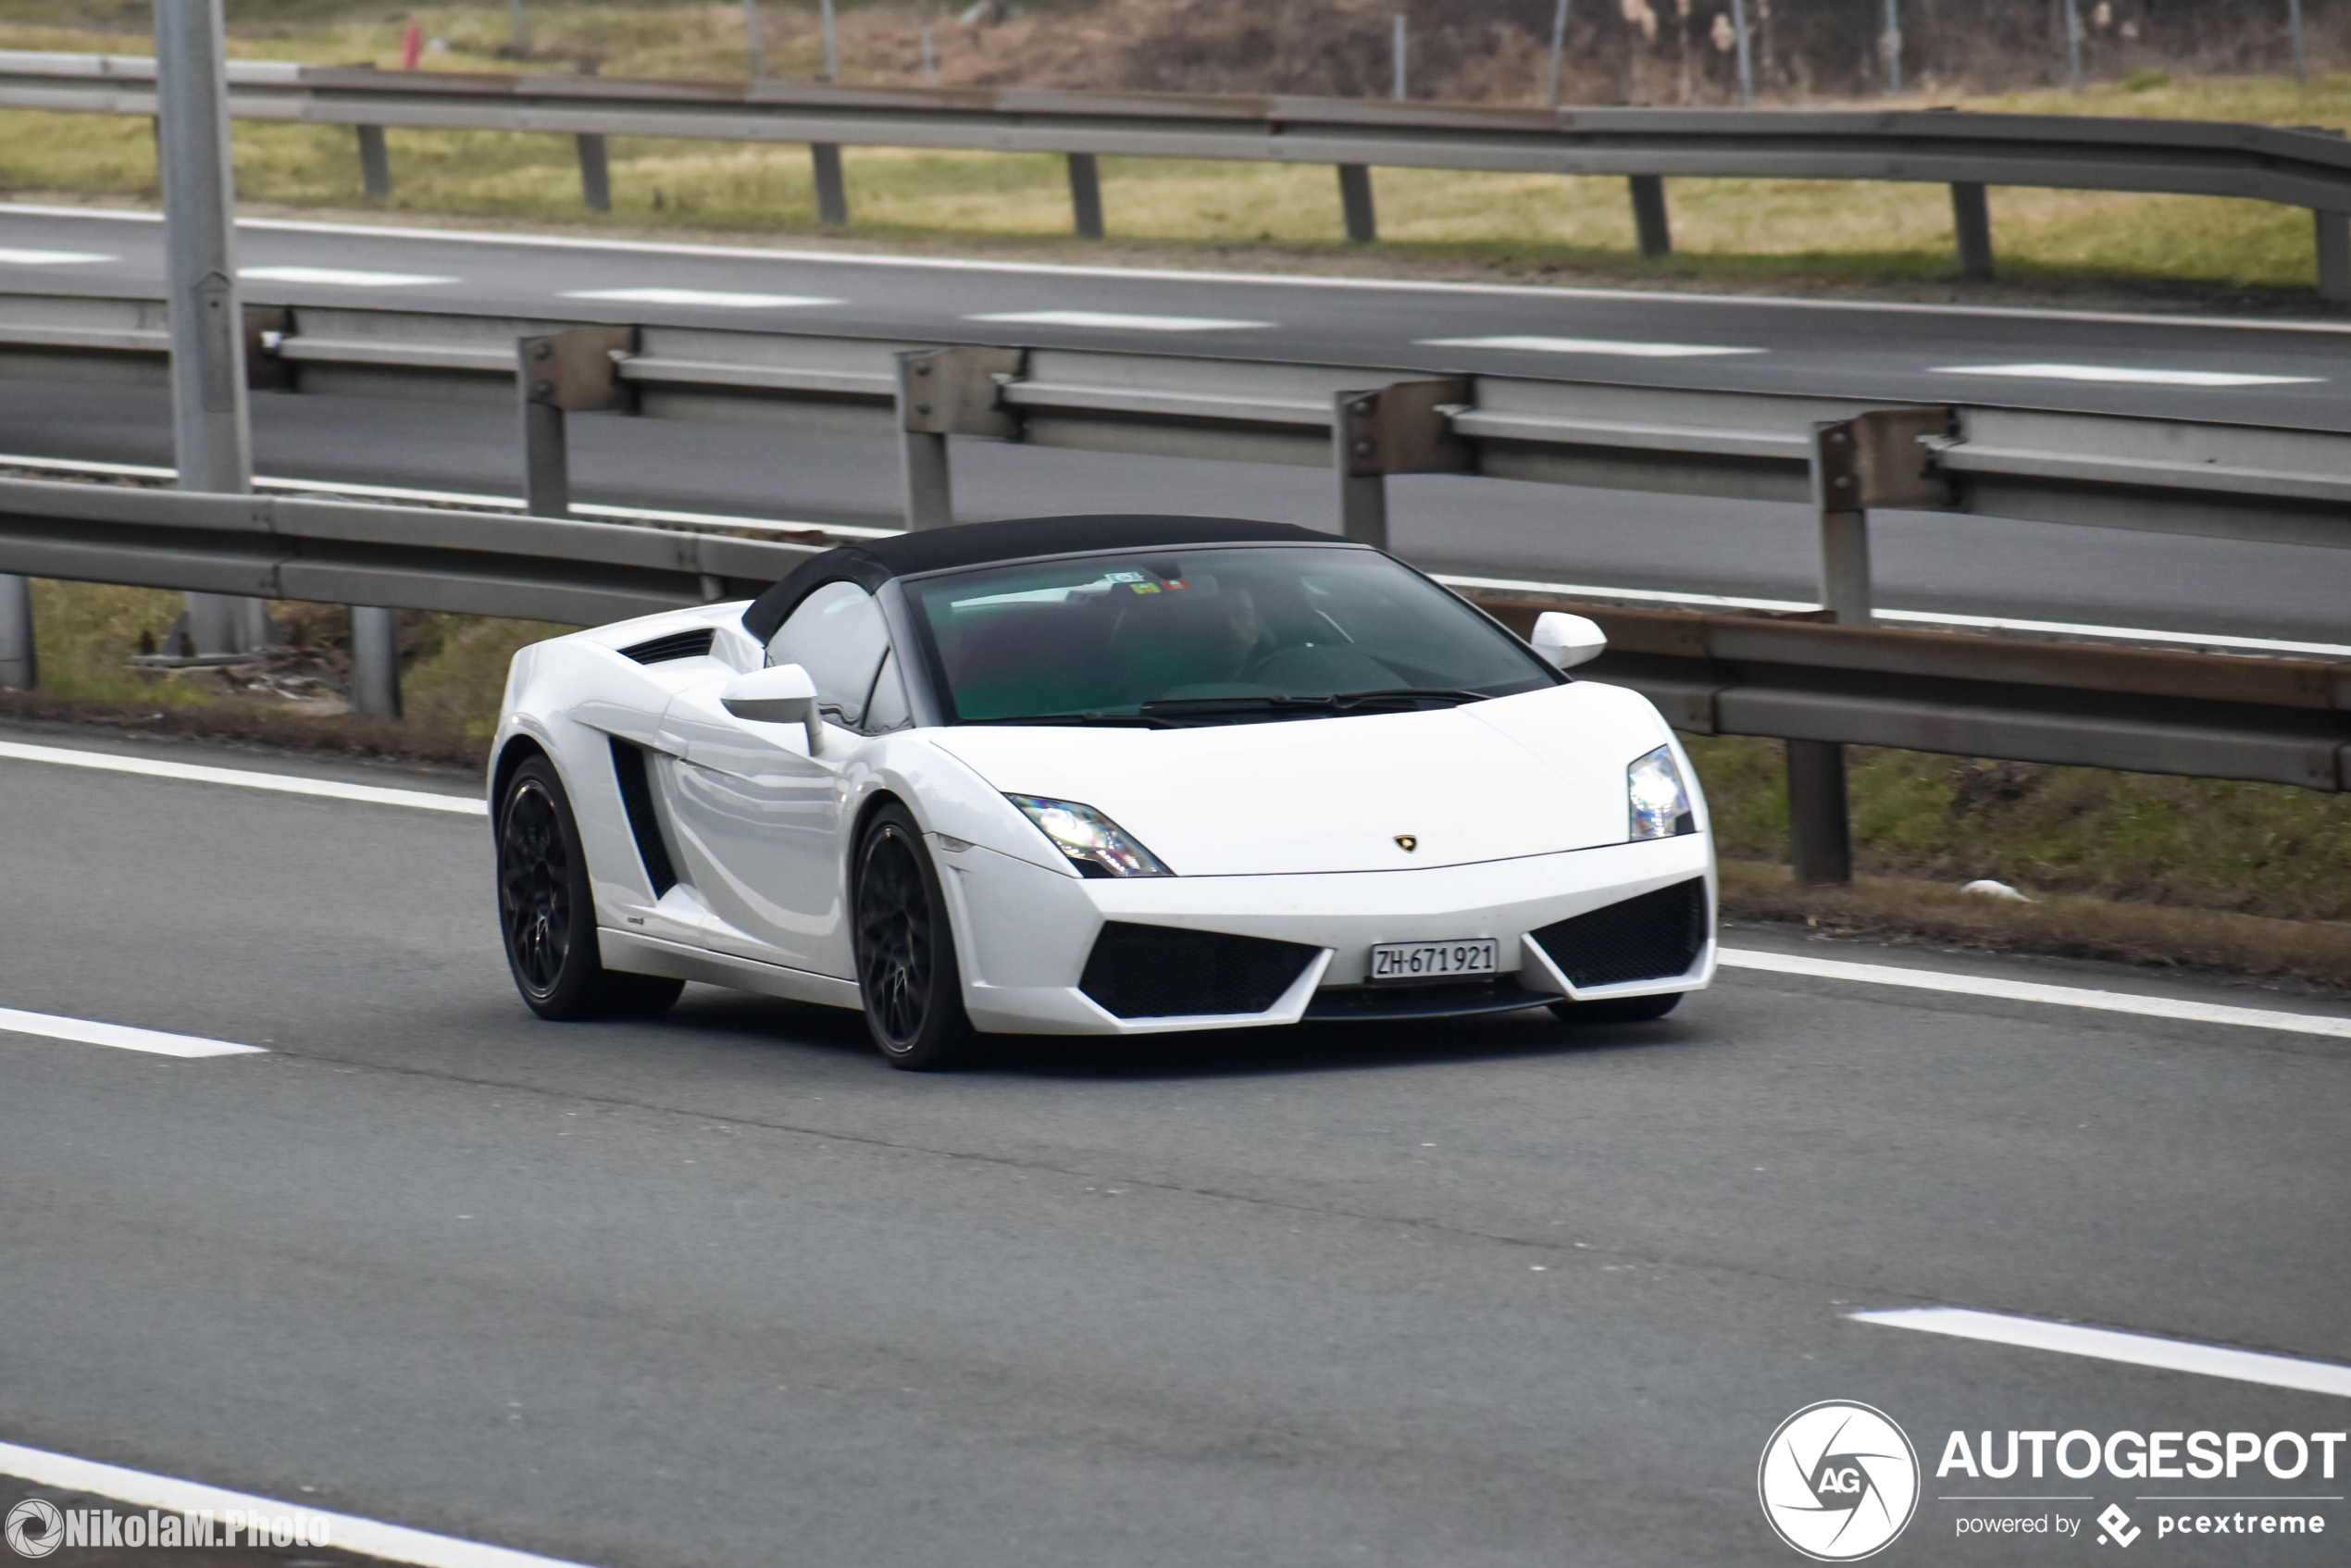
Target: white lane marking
{"type": "Point", "coordinates": [2124, 375]}
{"type": "Point", "coordinates": [1566, 589]}
{"type": "Point", "coordinates": [51, 259]}
{"type": "Point", "coordinates": [1922, 617]}
{"type": "Point", "coordinates": [1113, 320]}
{"type": "Point", "coordinates": [341, 276]}
{"type": "Point", "coordinates": [364, 1537]}
{"type": "Point", "coordinates": [283, 783]}
{"type": "Point", "coordinates": [154, 1042]}
{"type": "Point", "coordinates": [2105, 1344]}
{"type": "Point", "coordinates": [712, 297]}
{"type": "Point", "coordinates": [1587, 345]}
{"type": "Point", "coordinates": [2038, 991]}
{"type": "Point", "coordinates": [1174, 274]}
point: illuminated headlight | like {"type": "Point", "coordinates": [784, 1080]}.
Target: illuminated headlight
{"type": "Point", "coordinates": [1098, 846]}
{"type": "Point", "coordinates": [1657, 801]}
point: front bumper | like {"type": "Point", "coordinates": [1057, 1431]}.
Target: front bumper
{"type": "Point", "coordinates": [1024, 933]}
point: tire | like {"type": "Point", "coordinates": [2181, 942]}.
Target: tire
{"type": "Point", "coordinates": [907, 974]}
{"type": "Point", "coordinates": [1617, 1010]}
{"type": "Point", "coordinates": [548, 916]}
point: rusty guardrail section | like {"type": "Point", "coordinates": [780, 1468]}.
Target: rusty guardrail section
{"type": "Point", "coordinates": [2301, 168]}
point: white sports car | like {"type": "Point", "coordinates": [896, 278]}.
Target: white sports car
{"type": "Point", "coordinates": [1106, 776]}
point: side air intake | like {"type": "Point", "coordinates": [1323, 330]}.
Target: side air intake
{"type": "Point", "coordinates": [1654, 937]}
{"type": "Point", "coordinates": [637, 799]}
{"type": "Point", "coordinates": [677, 645]}
{"type": "Point", "coordinates": [1161, 972]}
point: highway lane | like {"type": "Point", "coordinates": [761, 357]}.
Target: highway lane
{"type": "Point", "coordinates": [1476, 527]}
{"type": "Point", "coordinates": [724, 1289]}
{"type": "Point", "coordinates": [2266, 373]}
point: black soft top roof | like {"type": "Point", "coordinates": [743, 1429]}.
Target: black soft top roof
{"type": "Point", "coordinates": [875, 562]}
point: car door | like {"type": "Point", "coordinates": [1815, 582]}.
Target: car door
{"type": "Point", "coordinates": [759, 818]}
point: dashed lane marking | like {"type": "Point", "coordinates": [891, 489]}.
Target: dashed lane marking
{"type": "Point", "coordinates": [341, 276]}
{"type": "Point", "coordinates": [1113, 320]}
{"type": "Point", "coordinates": [1589, 345]}
{"type": "Point", "coordinates": [2126, 375]}
{"type": "Point", "coordinates": [714, 298]}
{"type": "Point", "coordinates": [2107, 1344]}
{"type": "Point", "coordinates": [154, 1042]}
{"type": "Point", "coordinates": [283, 783]}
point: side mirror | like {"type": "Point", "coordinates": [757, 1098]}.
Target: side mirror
{"type": "Point", "coordinates": [1566, 640]}
{"type": "Point", "coordinates": [779, 694]}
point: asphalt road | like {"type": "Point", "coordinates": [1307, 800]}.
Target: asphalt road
{"type": "Point", "coordinates": [723, 1289]}
{"type": "Point", "coordinates": [1492, 527]}
{"type": "Point", "coordinates": [2266, 373]}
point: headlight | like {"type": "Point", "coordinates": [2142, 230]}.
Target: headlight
{"type": "Point", "coordinates": [1098, 846]}
{"type": "Point", "coordinates": [1656, 803]}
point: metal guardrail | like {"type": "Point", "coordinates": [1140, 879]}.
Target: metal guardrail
{"type": "Point", "coordinates": [1966, 151]}
{"type": "Point", "coordinates": [1817, 684]}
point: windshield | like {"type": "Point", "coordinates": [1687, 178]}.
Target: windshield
{"type": "Point", "coordinates": [1234, 634]}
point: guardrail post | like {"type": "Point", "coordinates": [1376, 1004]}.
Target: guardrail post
{"type": "Point", "coordinates": [1971, 217]}
{"type": "Point", "coordinates": [1355, 201]}
{"type": "Point", "coordinates": [1086, 195]}
{"type": "Point", "coordinates": [375, 661]}
{"type": "Point", "coordinates": [574, 371]}
{"type": "Point", "coordinates": [19, 668]}
{"type": "Point", "coordinates": [595, 172]}
{"type": "Point", "coordinates": [1649, 219]}
{"type": "Point", "coordinates": [832, 191]}
{"type": "Point", "coordinates": [1874, 459]}
{"type": "Point", "coordinates": [375, 161]}
{"type": "Point", "coordinates": [2335, 254]}
{"type": "Point", "coordinates": [1401, 429]}
{"type": "Point", "coordinates": [942, 392]}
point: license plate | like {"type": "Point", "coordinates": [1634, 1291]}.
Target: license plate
{"type": "Point", "coordinates": [1435, 960]}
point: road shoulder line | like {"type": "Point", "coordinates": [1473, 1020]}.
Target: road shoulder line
{"type": "Point", "coordinates": [283, 783]}
{"type": "Point", "coordinates": [123, 1037]}
{"type": "Point", "coordinates": [2108, 1344]}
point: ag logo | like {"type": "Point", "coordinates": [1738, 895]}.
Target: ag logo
{"type": "Point", "coordinates": [1839, 1481]}
{"type": "Point", "coordinates": [35, 1528]}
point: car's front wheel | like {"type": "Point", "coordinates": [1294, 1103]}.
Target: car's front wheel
{"type": "Point", "coordinates": [549, 915]}
{"type": "Point", "coordinates": [906, 970]}
{"type": "Point", "coordinates": [1617, 1010]}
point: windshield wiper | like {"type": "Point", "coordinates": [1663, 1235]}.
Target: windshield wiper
{"type": "Point", "coordinates": [1141, 721]}
{"type": "Point", "coordinates": [1344, 702]}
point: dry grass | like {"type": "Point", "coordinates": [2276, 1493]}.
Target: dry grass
{"type": "Point", "coordinates": [1784, 233]}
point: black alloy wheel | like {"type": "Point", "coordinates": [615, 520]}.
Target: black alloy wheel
{"type": "Point", "coordinates": [548, 915]}
{"type": "Point", "coordinates": [906, 969]}
{"type": "Point", "coordinates": [1617, 1010]}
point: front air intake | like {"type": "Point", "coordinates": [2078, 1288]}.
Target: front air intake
{"type": "Point", "coordinates": [1161, 972]}
{"type": "Point", "coordinates": [1655, 937]}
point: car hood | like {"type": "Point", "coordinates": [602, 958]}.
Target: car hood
{"type": "Point", "coordinates": [1513, 776]}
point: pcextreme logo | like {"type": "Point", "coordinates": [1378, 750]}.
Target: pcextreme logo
{"type": "Point", "coordinates": [1839, 1481]}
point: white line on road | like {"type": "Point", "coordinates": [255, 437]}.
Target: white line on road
{"type": "Point", "coordinates": [2125, 375]}
{"type": "Point", "coordinates": [154, 1042]}
{"type": "Point", "coordinates": [51, 259]}
{"type": "Point", "coordinates": [1182, 275]}
{"type": "Point", "coordinates": [339, 277]}
{"type": "Point", "coordinates": [1587, 345]}
{"type": "Point", "coordinates": [284, 783]}
{"type": "Point", "coordinates": [366, 1538]}
{"type": "Point", "coordinates": [2035, 991]}
{"type": "Point", "coordinates": [2105, 1344]}
{"type": "Point", "coordinates": [1113, 320]}
{"type": "Point", "coordinates": [712, 297]}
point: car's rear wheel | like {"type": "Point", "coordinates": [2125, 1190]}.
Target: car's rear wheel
{"type": "Point", "coordinates": [906, 969]}
{"type": "Point", "coordinates": [549, 915]}
{"type": "Point", "coordinates": [1617, 1010]}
